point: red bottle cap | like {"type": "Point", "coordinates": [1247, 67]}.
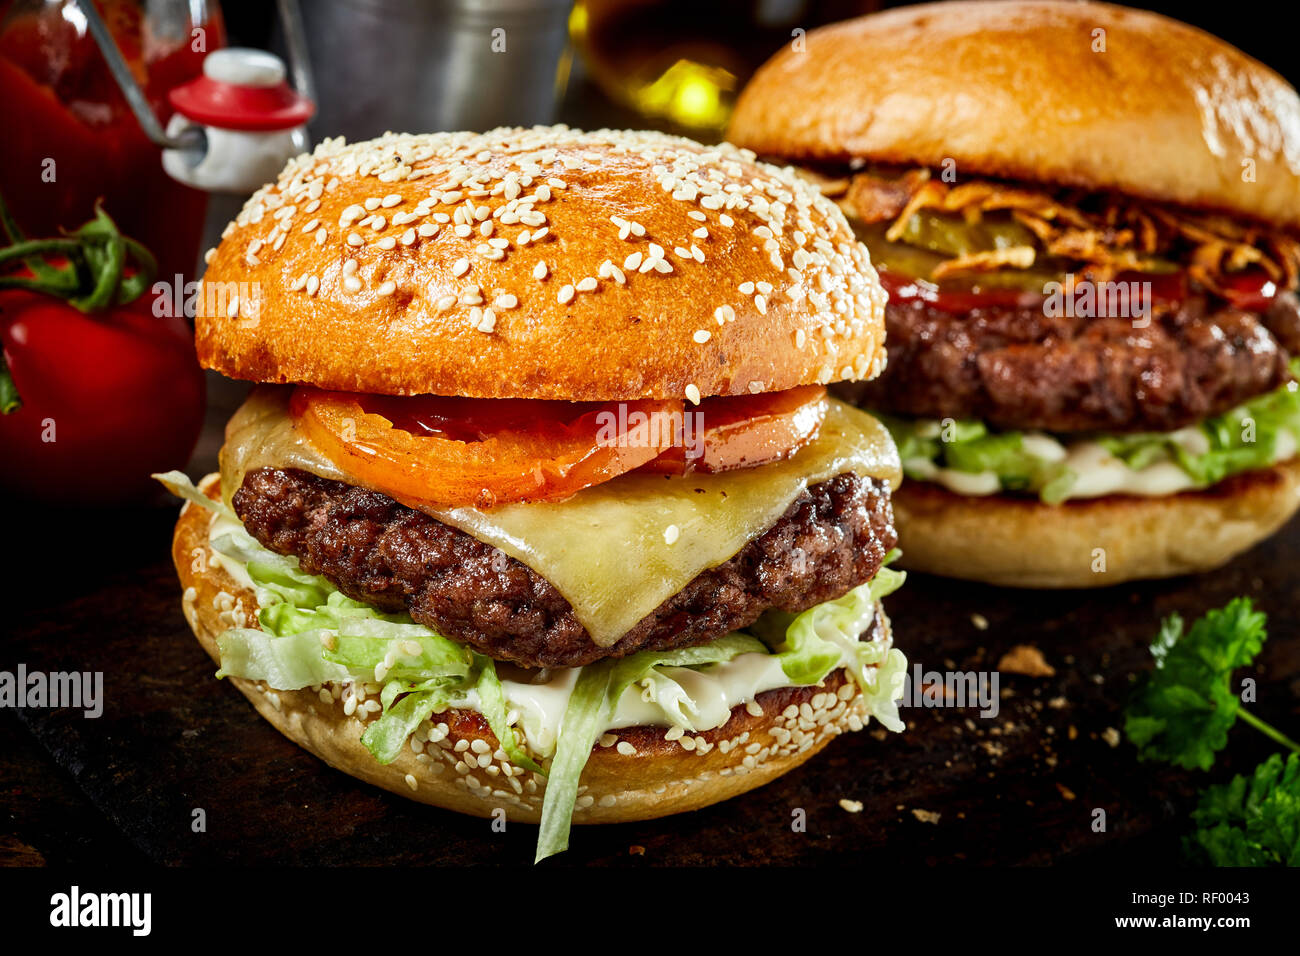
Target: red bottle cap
{"type": "Point", "coordinates": [242, 89]}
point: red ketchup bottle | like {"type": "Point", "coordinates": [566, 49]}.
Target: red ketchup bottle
{"type": "Point", "coordinates": [71, 138]}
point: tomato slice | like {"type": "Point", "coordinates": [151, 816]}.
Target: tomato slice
{"type": "Point", "coordinates": [1245, 291]}
{"type": "Point", "coordinates": [1252, 290]}
{"type": "Point", "coordinates": [726, 433]}
{"type": "Point", "coordinates": [453, 452]}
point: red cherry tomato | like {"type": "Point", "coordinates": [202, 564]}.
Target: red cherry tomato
{"type": "Point", "coordinates": [106, 399]}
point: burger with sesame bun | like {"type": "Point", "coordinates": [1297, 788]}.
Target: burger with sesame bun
{"type": "Point", "coordinates": [542, 507]}
{"type": "Point", "coordinates": [1086, 217]}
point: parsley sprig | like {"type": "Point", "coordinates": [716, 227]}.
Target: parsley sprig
{"type": "Point", "coordinates": [1251, 821]}
{"type": "Point", "coordinates": [1181, 714]}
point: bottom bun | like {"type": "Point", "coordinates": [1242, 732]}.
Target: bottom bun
{"type": "Point", "coordinates": [460, 766]}
{"type": "Point", "coordinates": [1090, 542]}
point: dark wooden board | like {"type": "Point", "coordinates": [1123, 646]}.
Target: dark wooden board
{"type": "Point", "coordinates": [96, 592]}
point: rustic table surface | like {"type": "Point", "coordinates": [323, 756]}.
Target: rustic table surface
{"type": "Point", "coordinates": [96, 592]}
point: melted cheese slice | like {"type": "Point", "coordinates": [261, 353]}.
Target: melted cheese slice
{"type": "Point", "coordinates": [618, 550]}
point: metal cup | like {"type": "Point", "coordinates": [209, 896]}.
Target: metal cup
{"type": "Point", "coordinates": [427, 65]}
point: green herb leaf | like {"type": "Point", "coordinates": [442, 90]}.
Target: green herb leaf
{"type": "Point", "coordinates": [1181, 713]}
{"type": "Point", "coordinates": [1251, 821]}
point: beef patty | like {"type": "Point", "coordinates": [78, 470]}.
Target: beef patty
{"type": "Point", "coordinates": [832, 538]}
{"type": "Point", "coordinates": [1014, 367]}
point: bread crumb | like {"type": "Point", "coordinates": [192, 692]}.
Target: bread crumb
{"type": "Point", "coordinates": [1026, 659]}
{"type": "Point", "coordinates": [635, 850]}
{"type": "Point", "coordinates": [980, 621]}
{"type": "Point", "coordinates": [1065, 791]}
{"type": "Point", "coordinates": [926, 816]}
{"type": "Point", "coordinates": [1111, 736]}
{"type": "Point", "coordinates": [853, 806]}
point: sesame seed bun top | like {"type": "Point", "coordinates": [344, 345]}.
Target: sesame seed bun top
{"type": "Point", "coordinates": [540, 263]}
{"type": "Point", "coordinates": [1080, 94]}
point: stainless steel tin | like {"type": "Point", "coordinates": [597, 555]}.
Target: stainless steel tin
{"type": "Point", "coordinates": [424, 65]}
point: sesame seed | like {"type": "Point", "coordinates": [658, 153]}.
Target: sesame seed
{"type": "Point", "coordinates": [625, 748]}
{"type": "Point", "coordinates": [702, 336]}
{"type": "Point", "coordinates": [693, 393]}
{"type": "Point", "coordinates": [587, 285]}
{"type": "Point", "coordinates": [388, 288]}
{"type": "Point", "coordinates": [506, 301]}
{"type": "Point", "coordinates": [460, 267]}
{"type": "Point", "coordinates": [632, 262]}
{"type": "Point", "coordinates": [539, 271]}
{"type": "Point", "coordinates": [313, 284]}
{"type": "Point", "coordinates": [354, 240]}
{"type": "Point", "coordinates": [351, 284]}
{"type": "Point", "coordinates": [566, 294]}
{"type": "Point", "coordinates": [392, 199]}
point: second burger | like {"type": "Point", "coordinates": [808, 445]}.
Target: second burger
{"type": "Point", "coordinates": [1086, 217]}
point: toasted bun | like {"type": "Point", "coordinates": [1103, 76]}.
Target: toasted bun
{"type": "Point", "coordinates": [1021, 542]}
{"type": "Point", "coordinates": [660, 778]}
{"type": "Point", "coordinates": [566, 307]}
{"type": "Point", "coordinates": [1014, 89]}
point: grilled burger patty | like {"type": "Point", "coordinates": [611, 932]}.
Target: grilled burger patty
{"type": "Point", "coordinates": [832, 538]}
{"type": "Point", "coordinates": [1015, 368]}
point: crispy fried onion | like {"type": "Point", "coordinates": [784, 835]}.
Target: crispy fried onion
{"type": "Point", "coordinates": [1097, 235]}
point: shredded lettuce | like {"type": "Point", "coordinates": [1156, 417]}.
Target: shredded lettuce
{"type": "Point", "coordinates": [312, 634]}
{"type": "Point", "coordinates": [808, 645]}
{"type": "Point", "coordinates": [1243, 439]}
{"type": "Point", "coordinates": [589, 712]}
